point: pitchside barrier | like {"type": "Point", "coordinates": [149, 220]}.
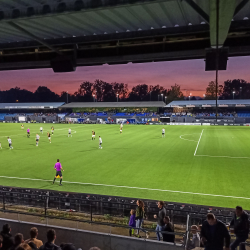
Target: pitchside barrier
{"type": "Point", "coordinates": [93, 205]}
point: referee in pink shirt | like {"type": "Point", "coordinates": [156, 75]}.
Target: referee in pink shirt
{"type": "Point", "coordinates": [59, 169]}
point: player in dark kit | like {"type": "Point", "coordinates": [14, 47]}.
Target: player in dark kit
{"type": "Point", "coordinates": [59, 169]}
{"type": "Point", "coordinates": [49, 137]}
{"type": "Point", "coordinates": [52, 130]}
{"type": "Point", "coordinates": [93, 135]}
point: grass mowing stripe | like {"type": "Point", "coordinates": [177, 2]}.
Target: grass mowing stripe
{"type": "Point", "coordinates": [139, 157]}
{"type": "Point", "coordinates": [225, 156]}
{"type": "Point", "coordinates": [149, 189]}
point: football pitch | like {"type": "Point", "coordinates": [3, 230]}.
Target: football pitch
{"type": "Point", "coordinates": [192, 164]}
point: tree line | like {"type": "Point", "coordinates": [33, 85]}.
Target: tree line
{"type": "Point", "coordinates": [232, 89]}
{"type": "Point", "coordinates": [98, 90]}
{"type": "Point", "coordinates": [109, 92]}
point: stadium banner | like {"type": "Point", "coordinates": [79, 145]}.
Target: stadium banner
{"type": "Point", "coordinates": [205, 105]}
{"type": "Point", "coordinates": [240, 105]}
{"type": "Point", "coordinates": [24, 107]}
{"type": "Point", "coordinates": [246, 124]}
{"type": "Point", "coordinates": [21, 118]}
{"type": "Point", "coordinates": [190, 106]}
{"type": "Point", "coordinates": [223, 105]}
{"type": "Point", "coordinates": [177, 123]}
{"type": "Point", "coordinates": [206, 124]}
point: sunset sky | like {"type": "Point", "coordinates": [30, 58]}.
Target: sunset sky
{"type": "Point", "coordinates": [190, 75]}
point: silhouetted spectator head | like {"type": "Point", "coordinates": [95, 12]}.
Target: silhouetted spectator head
{"type": "Point", "coordinates": [51, 235]}
{"type": "Point", "coordinates": [238, 211]}
{"type": "Point", "coordinates": [1, 241]}
{"type": "Point", "coordinates": [18, 239]}
{"type": "Point", "coordinates": [94, 248]}
{"type": "Point", "coordinates": [33, 232]}
{"type": "Point", "coordinates": [211, 219]}
{"type": "Point", "coordinates": [68, 246]}
{"type": "Point", "coordinates": [23, 246]}
{"type": "Point", "coordinates": [6, 228]}
{"type": "Point", "coordinates": [166, 219]}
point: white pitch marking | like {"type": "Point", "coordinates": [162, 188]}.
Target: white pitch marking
{"type": "Point", "coordinates": [140, 188]}
{"type": "Point", "coordinates": [198, 143]}
{"type": "Point", "coordinates": [225, 156]}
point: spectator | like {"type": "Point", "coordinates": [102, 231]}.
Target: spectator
{"type": "Point", "coordinates": [139, 215]}
{"type": "Point", "coordinates": [18, 239]}
{"type": "Point", "coordinates": [132, 222]}
{"type": "Point", "coordinates": [24, 246]}
{"type": "Point", "coordinates": [8, 240]}
{"type": "Point", "coordinates": [160, 219]}
{"type": "Point", "coordinates": [168, 227]}
{"type": "Point", "coordinates": [94, 248]}
{"type": "Point", "coordinates": [33, 237]}
{"type": "Point", "coordinates": [240, 225]}
{"type": "Point", "coordinates": [1, 242]}
{"type": "Point", "coordinates": [50, 244]}
{"type": "Point", "coordinates": [213, 234]}
{"type": "Point", "coordinates": [68, 246]}
{"type": "Point", "coordinates": [195, 239]}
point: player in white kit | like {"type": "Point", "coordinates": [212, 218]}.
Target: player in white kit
{"type": "Point", "coordinates": [10, 143]}
{"type": "Point", "coordinates": [69, 134]}
{"type": "Point", "coordinates": [163, 132]}
{"type": "Point", "coordinates": [41, 130]}
{"type": "Point", "coordinates": [100, 142]}
{"type": "Point", "coordinates": [37, 139]}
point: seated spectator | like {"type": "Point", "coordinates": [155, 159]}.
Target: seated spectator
{"type": "Point", "coordinates": [18, 239]}
{"type": "Point", "coordinates": [168, 227]}
{"type": "Point", "coordinates": [33, 237]}
{"type": "Point", "coordinates": [8, 240]}
{"type": "Point", "coordinates": [50, 244]}
{"type": "Point", "coordinates": [68, 246]}
{"type": "Point", "coordinates": [24, 246]}
{"type": "Point", "coordinates": [1, 242]}
{"type": "Point", "coordinates": [195, 239]}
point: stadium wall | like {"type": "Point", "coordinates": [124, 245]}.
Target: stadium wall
{"type": "Point", "coordinates": [86, 239]}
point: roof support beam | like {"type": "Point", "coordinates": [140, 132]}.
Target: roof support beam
{"type": "Point", "coordinates": [16, 26]}
{"type": "Point", "coordinates": [198, 10]}
{"type": "Point", "coordinates": [240, 6]}
{"type": "Point", "coordinates": [226, 13]}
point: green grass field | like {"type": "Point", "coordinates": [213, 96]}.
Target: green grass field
{"type": "Point", "coordinates": [192, 164]}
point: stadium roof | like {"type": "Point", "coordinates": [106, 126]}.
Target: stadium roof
{"type": "Point", "coordinates": [118, 31]}
{"type": "Point", "coordinates": [209, 103]}
{"type": "Point", "coordinates": [114, 105]}
{"type": "Point", "coordinates": [31, 105]}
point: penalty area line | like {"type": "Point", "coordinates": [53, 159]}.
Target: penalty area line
{"type": "Point", "coordinates": [198, 143]}
{"type": "Point", "coordinates": [139, 188]}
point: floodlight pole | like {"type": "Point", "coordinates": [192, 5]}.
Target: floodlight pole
{"type": "Point", "coordinates": [217, 57]}
{"type": "Point", "coordinates": [67, 97]}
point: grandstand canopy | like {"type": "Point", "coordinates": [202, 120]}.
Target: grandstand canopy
{"type": "Point", "coordinates": [118, 31]}
{"type": "Point", "coordinates": [35, 105]}
{"type": "Point", "coordinates": [209, 103]}
{"type": "Point", "coordinates": [114, 105]}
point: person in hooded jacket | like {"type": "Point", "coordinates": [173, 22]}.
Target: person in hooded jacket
{"type": "Point", "coordinates": [8, 240]}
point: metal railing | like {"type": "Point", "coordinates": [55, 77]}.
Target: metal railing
{"type": "Point", "coordinates": [78, 224]}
